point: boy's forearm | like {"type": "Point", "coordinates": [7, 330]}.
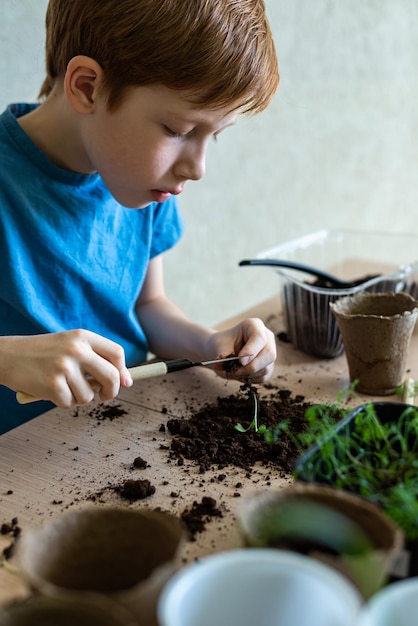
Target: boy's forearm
{"type": "Point", "coordinates": [170, 333]}
{"type": "Point", "coordinates": [7, 351]}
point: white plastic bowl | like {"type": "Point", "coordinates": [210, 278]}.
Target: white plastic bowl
{"type": "Point", "coordinates": [394, 605]}
{"type": "Point", "coordinates": [258, 587]}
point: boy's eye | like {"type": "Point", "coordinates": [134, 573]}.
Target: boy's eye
{"type": "Point", "coordinates": [176, 135]}
{"type": "Point", "coordinates": [173, 133]}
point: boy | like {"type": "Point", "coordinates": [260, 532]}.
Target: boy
{"type": "Point", "coordinates": [135, 90]}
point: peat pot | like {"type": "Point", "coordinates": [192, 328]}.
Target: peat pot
{"type": "Point", "coordinates": [42, 611]}
{"type": "Point", "coordinates": [376, 329]}
{"type": "Point", "coordinates": [122, 554]}
{"type": "Point", "coordinates": [339, 529]}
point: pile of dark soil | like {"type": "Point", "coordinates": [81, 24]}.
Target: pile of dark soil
{"type": "Point", "coordinates": [210, 437]}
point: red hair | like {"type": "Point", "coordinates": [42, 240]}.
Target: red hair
{"type": "Point", "coordinates": [221, 51]}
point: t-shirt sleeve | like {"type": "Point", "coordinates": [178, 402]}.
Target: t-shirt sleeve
{"type": "Point", "coordinates": [168, 226]}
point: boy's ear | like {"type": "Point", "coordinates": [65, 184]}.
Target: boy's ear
{"type": "Point", "coordinates": [81, 83]}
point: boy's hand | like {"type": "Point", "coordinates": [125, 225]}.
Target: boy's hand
{"type": "Point", "coordinates": [55, 366]}
{"type": "Point", "coordinates": [250, 337]}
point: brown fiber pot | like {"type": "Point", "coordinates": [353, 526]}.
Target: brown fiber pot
{"type": "Point", "coordinates": [125, 555]}
{"type": "Point", "coordinates": [340, 529]}
{"type": "Point", "coordinates": [42, 611]}
{"type": "Point", "coordinates": [376, 329]}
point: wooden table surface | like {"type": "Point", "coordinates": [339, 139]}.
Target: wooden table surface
{"type": "Point", "coordinates": [63, 460]}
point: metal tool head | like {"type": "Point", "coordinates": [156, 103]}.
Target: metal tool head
{"type": "Point", "coordinates": [228, 358]}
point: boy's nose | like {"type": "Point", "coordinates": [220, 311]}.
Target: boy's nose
{"type": "Point", "coordinates": [191, 165]}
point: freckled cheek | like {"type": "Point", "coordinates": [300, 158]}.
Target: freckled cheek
{"type": "Point", "coordinates": [133, 154]}
{"type": "Point", "coordinates": [158, 160]}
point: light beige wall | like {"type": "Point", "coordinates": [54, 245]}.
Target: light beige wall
{"type": "Point", "coordinates": [21, 49]}
{"type": "Point", "coordinates": [336, 149]}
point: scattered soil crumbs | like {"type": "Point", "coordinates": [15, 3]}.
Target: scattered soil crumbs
{"type": "Point", "coordinates": [210, 440]}
{"type": "Point", "coordinates": [209, 437]}
{"type": "Point", "coordinates": [199, 514]}
{"type": "Point", "coordinates": [13, 530]}
{"type": "Point", "coordinates": [107, 412]}
{"type": "Point", "coordinates": [133, 490]}
{"type": "Point", "coordinates": [284, 337]}
{"type": "Point", "coordinates": [139, 463]}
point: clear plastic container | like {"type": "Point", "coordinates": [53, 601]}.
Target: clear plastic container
{"type": "Point", "coordinates": [350, 255]}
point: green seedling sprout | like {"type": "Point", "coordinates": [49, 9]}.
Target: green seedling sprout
{"type": "Point", "coordinates": [254, 423]}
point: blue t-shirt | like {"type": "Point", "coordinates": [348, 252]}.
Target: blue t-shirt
{"type": "Point", "coordinates": [70, 255]}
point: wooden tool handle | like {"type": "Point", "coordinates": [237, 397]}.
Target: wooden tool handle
{"type": "Point", "coordinates": [139, 372]}
{"type": "Point", "coordinates": [148, 370]}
